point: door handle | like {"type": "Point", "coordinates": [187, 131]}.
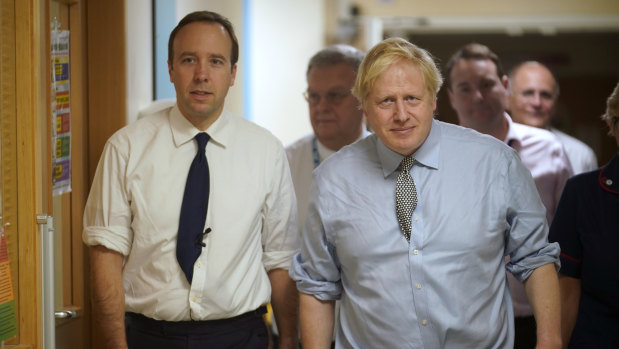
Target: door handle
{"type": "Point", "coordinates": [65, 314]}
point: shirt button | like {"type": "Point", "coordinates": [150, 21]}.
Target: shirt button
{"type": "Point", "coordinates": [194, 299]}
{"type": "Point", "coordinates": [416, 218]}
{"type": "Point", "coordinates": [199, 265]}
{"type": "Point", "coordinates": [415, 252]}
{"type": "Point", "coordinates": [419, 286]}
{"type": "Point", "coordinates": [424, 322]}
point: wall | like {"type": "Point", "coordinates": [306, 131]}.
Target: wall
{"type": "Point", "coordinates": [485, 7]}
{"type": "Point", "coordinates": [284, 35]}
{"type": "Point", "coordinates": [139, 58]}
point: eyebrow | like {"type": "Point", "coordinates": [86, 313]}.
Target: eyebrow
{"type": "Point", "coordinates": [222, 57]}
{"type": "Point", "coordinates": [213, 55]}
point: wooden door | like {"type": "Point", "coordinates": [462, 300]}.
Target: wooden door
{"type": "Point", "coordinates": [24, 93]}
{"type": "Point", "coordinates": [71, 300]}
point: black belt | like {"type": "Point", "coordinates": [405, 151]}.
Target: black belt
{"type": "Point", "coordinates": [142, 322]}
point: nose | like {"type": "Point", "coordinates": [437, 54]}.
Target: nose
{"type": "Point", "coordinates": [536, 100]}
{"type": "Point", "coordinates": [323, 104]}
{"type": "Point", "coordinates": [400, 112]}
{"type": "Point", "coordinates": [201, 73]}
{"type": "Point", "coordinates": [477, 95]}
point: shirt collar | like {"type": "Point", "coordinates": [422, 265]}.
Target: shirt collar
{"type": "Point", "coordinates": [513, 138]}
{"type": "Point", "coordinates": [323, 151]}
{"type": "Point", "coordinates": [183, 131]}
{"type": "Point", "coordinates": [426, 155]}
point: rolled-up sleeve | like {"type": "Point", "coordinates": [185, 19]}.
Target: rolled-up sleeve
{"type": "Point", "coordinates": [315, 269]}
{"type": "Point", "coordinates": [527, 232]}
{"type": "Point", "coordinates": [280, 233]}
{"type": "Point", "coordinates": [107, 215]}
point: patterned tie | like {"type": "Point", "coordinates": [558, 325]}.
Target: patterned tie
{"type": "Point", "coordinates": [193, 210]}
{"type": "Point", "coordinates": [405, 196]}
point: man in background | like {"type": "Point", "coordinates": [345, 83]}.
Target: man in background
{"type": "Point", "coordinates": [191, 218]}
{"type": "Point", "coordinates": [334, 114]}
{"type": "Point", "coordinates": [533, 94]}
{"type": "Point", "coordinates": [477, 90]}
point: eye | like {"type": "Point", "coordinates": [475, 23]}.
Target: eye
{"type": "Point", "coordinates": [411, 99]}
{"type": "Point", "coordinates": [487, 84]}
{"type": "Point", "coordinates": [546, 95]}
{"type": "Point", "coordinates": [527, 93]}
{"type": "Point", "coordinates": [312, 98]}
{"type": "Point", "coordinates": [336, 97]}
{"type": "Point", "coordinates": [217, 61]}
{"type": "Point", "coordinates": [332, 96]}
{"type": "Point", "coordinates": [386, 102]}
{"type": "Point", "coordinates": [463, 89]}
{"type": "Point", "coordinates": [188, 60]}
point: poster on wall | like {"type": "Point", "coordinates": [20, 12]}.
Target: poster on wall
{"type": "Point", "coordinates": [61, 113]}
{"type": "Point", "coordinates": [8, 318]}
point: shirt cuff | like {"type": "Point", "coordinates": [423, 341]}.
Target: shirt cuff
{"type": "Point", "coordinates": [114, 239]}
{"type": "Point", "coordinates": [277, 259]}
{"type": "Point", "coordinates": [524, 267]}
{"type": "Point", "coordinates": [321, 289]}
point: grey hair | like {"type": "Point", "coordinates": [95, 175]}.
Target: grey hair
{"type": "Point", "coordinates": [336, 54]}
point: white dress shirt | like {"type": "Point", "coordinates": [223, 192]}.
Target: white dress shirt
{"type": "Point", "coordinates": [582, 158]}
{"type": "Point", "coordinates": [134, 208]}
{"type": "Point", "coordinates": [542, 153]}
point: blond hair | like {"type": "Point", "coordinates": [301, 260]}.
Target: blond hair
{"type": "Point", "coordinates": [387, 52]}
{"type": "Point", "coordinates": [612, 110]}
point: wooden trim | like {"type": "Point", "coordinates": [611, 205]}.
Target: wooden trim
{"type": "Point", "coordinates": [79, 158]}
{"type": "Point", "coordinates": [8, 155]}
{"type": "Point", "coordinates": [32, 91]}
{"type": "Point", "coordinates": [107, 75]}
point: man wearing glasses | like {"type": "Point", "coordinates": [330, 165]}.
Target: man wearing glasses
{"type": "Point", "coordinates": [334, 114]}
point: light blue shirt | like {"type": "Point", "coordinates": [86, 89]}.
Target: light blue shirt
{"type": "Point", "coordinates": [477, 204]}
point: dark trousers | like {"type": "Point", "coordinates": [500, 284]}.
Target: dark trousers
{"type": "Point", "coordinates": [526, 333]}
{"type": "Point", "coordinates": [246, 331]}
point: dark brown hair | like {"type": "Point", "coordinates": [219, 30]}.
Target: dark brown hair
{"type": "Point", "coordinates": [472, 51]}
{"type": "Point", "coordinates": [208, 17]}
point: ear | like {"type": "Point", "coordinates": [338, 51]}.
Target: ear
{"type": "Point", "coordinates": [505, 82]}
{"type": "Point", "coordinates": [233, 75]}
{"type": "Point", "coordinates": [451, 98]}
{"type": "Point", "coordinates": [170, 71]}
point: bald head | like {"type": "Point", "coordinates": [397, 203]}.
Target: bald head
{"type": "Point", "coordinates": [533, 93]}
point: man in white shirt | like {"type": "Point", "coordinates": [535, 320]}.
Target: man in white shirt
{"type": "Point", "coordinates": [334, 114]}
{"type": "Point", "coordinates": [145, 293]}
{"type": "Point", "coordinates": [477, 90]}
{"type": "Point", "coordinates": [533, 94]}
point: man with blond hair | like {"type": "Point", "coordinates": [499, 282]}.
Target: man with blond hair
{"type": "Point", "coordinates": [409, 227]}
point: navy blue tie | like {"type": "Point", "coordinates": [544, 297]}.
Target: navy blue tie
{"type": "Point", "coordinates": [193, 210]}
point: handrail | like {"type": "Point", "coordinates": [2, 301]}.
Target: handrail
{"type": "Point", "coordinates": [46, 223]}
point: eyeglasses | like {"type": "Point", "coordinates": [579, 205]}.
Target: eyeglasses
{"type": "Point", "coordinates": [333, 98]}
